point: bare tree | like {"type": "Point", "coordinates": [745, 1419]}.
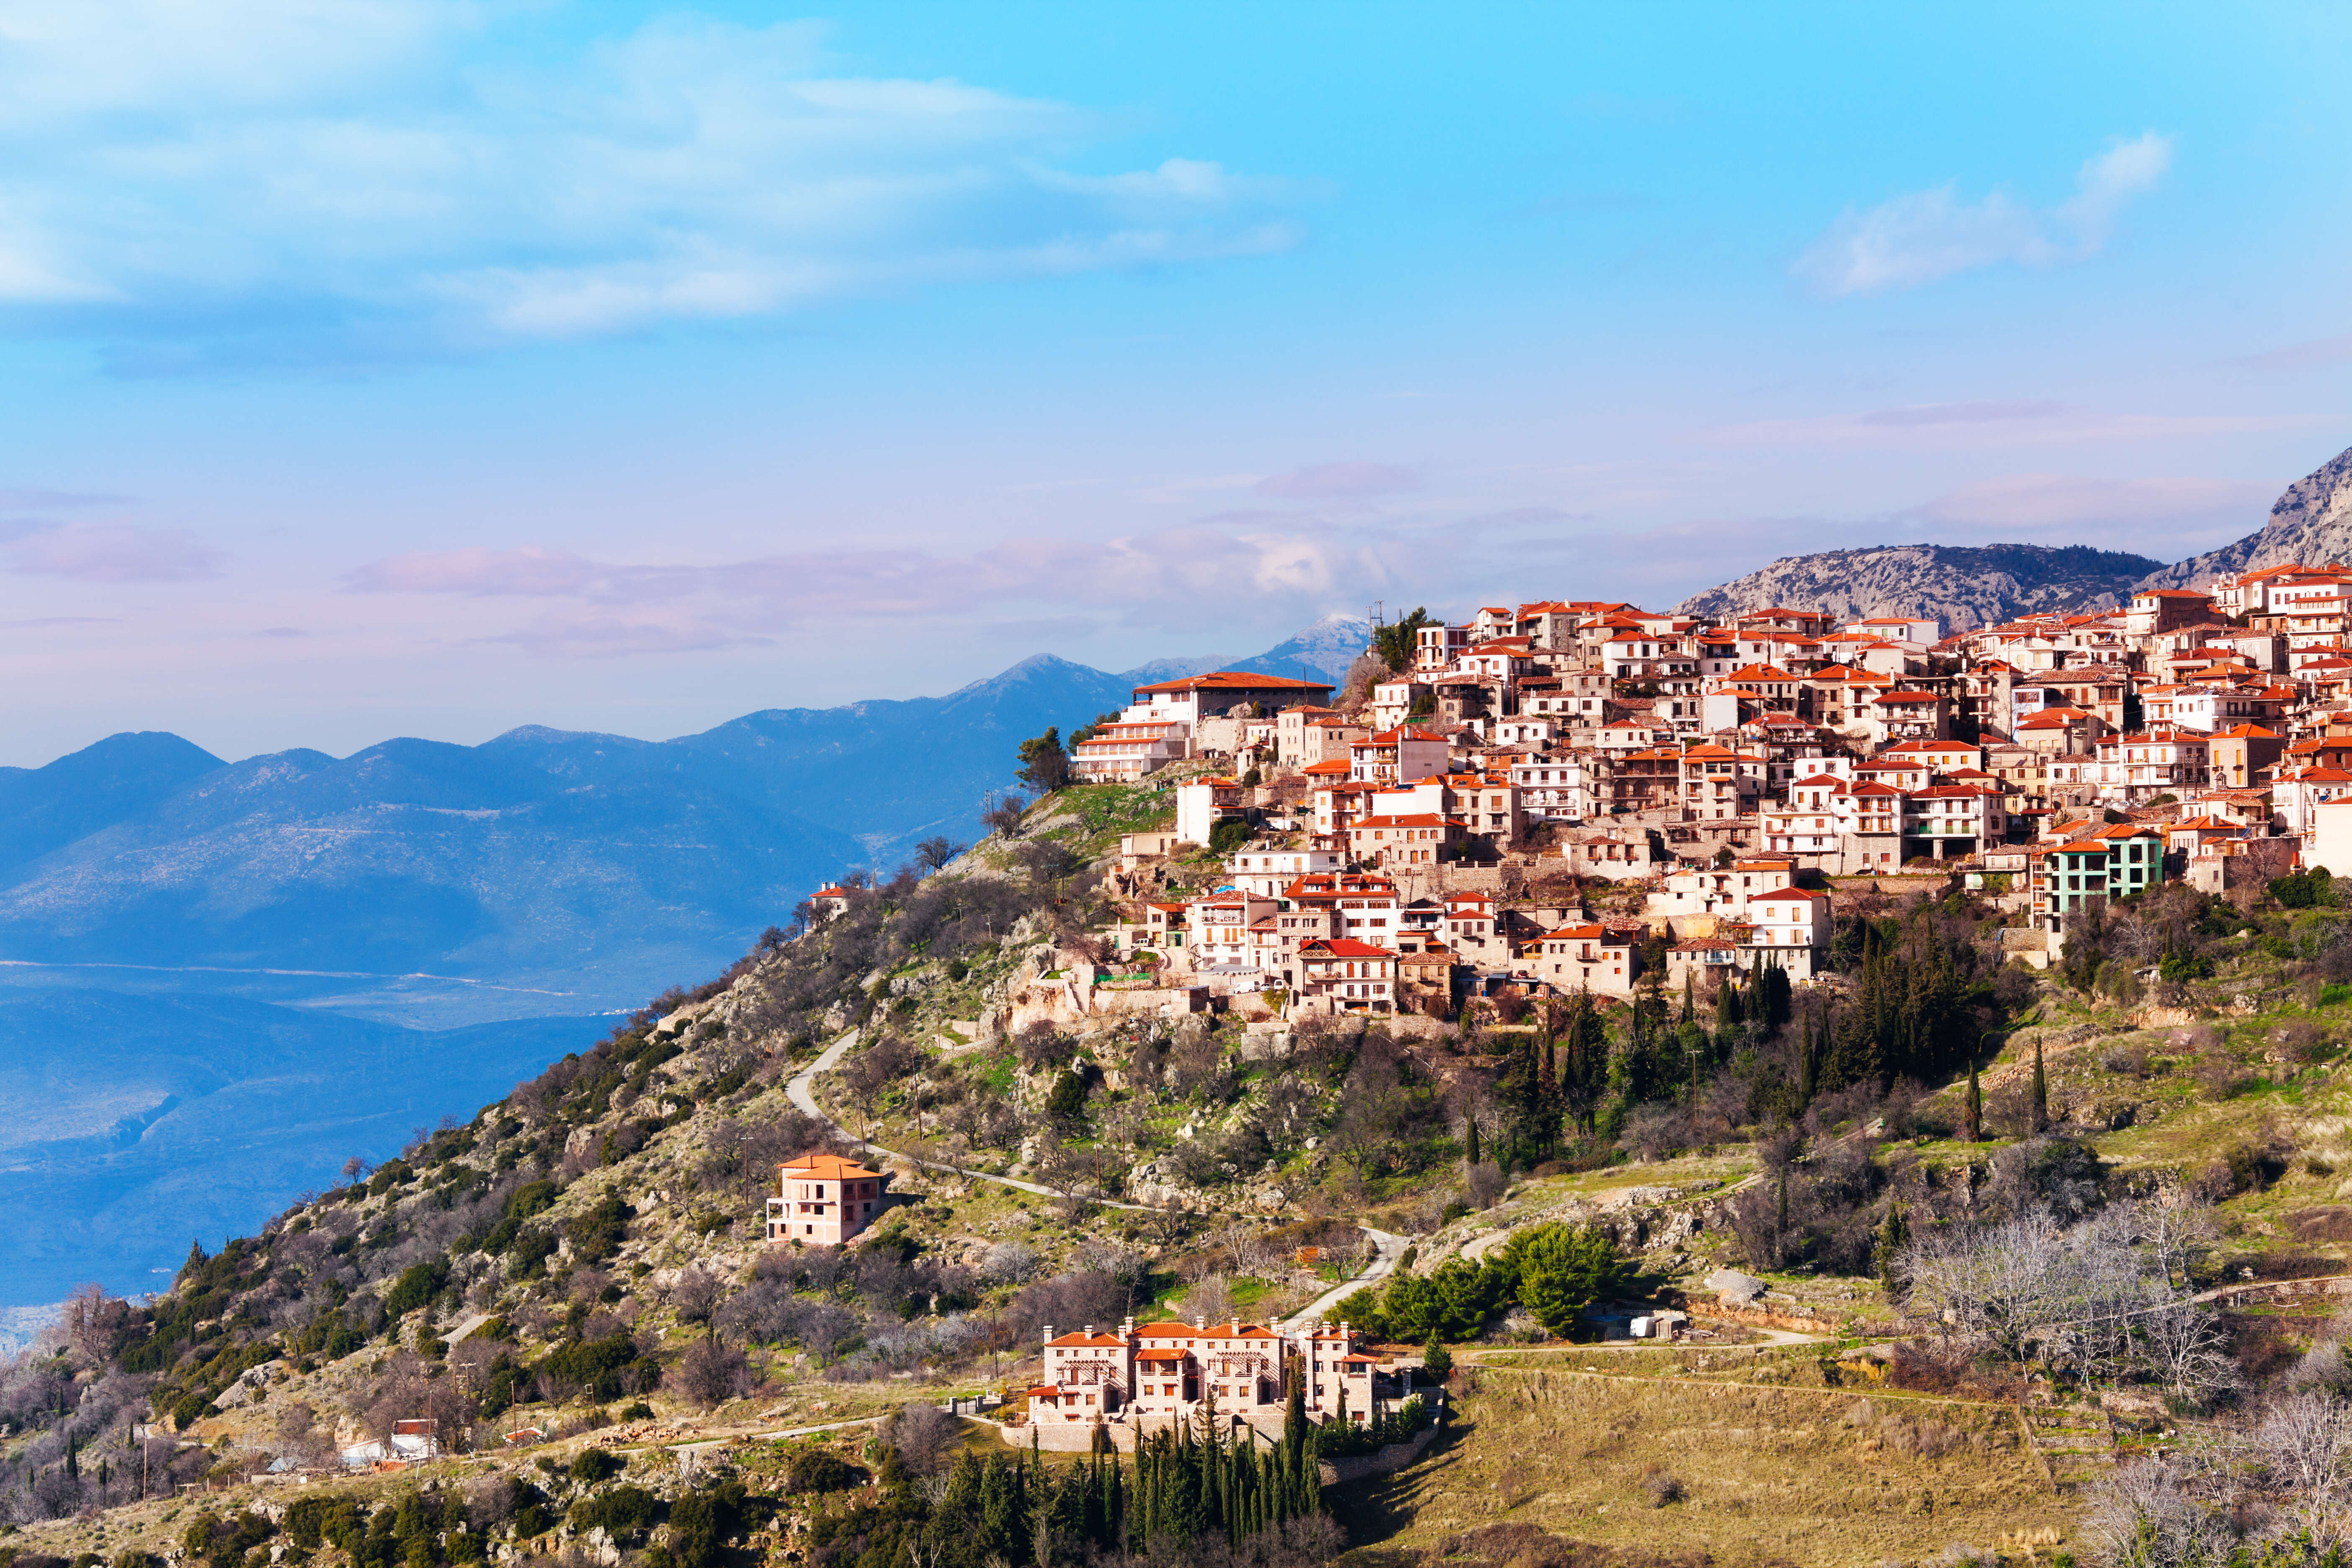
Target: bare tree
{"type": "Point", "coordinates": [924, 1436]}
{"type": "Point", "coordinates": [2305, 1445]}
{"type": "Point", "coordinates": [1211, 1298]}
{"type": "Point", "coordinates": [695, 1298]}
{"type": "Point", "coordinates": [712, 1373]}
{"type": "Point", "coordinates": [2188, 1349]}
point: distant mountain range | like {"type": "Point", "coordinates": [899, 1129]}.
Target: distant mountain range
{"type": "Point", "coordinates": [581, 871]}
{"type": "Point", "coordinates": [1970, 585]}
{"type": "Point", "coordinates": [219, 980]}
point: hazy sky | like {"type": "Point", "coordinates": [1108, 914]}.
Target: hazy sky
{"type": "Point", "coordinates": [374, 367]}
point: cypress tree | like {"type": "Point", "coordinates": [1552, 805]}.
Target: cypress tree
{"type": "Point", "coordinates": [1470, 1144]}
{"type": "Point", "coordinates": [1972, 1108]}
{"type": "Point", "coordinates": [1689, 993]}
{"type": "Point", "coordinates": [1892, 1234]}
{"type": "Point", "coordinates": [2041, 1092]}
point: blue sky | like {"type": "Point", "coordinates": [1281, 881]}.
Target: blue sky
{"type": "Point", "coordinates": [433, 366]}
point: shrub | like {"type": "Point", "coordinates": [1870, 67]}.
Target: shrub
{"type": "Point", "coordinates": [1659, 1485]}
{"type": "Point", "coordinates": [2304, 889]}
{"type": "Point", "coordinates": [594, 1466]}
{"type": "Point", "coordinates": [416, 1286]}
{"type": "Point", "coordinates": [625, 1512]}
{"type": "Point", "coordinates": [822, 1470]}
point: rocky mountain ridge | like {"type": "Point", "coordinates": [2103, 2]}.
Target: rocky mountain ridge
{"type": "Point", "coordinates": [1972, 585]}
{"type": "Point", "coordinates": [2311, 522]}
{"type": "Point", "coordinates": [1962, 585]}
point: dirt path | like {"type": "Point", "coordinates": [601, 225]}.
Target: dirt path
{"type": "Point", "coordinates": [801, 1091]}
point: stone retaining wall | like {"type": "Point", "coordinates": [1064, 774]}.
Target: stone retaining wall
{"type": "Point", "coordinates": [1388, 1461]}
{"type": "Point", "coordinates": [1762, 1317]}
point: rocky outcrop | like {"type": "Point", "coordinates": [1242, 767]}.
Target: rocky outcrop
{"type": "Point", "coordinates": [2311, 523]}
{"type": "Point", "coordinates": [1960, 585]}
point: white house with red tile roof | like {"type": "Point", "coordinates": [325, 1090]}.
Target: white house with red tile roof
{"type": "Point", "coordinates": [1203, 802]}
{"type": "Point", "coordinates": [1396, 756]}
{"type": "Point", "coordinates": [2298, 792]}
{"type": "Point", "coordinates": [1904, 715]}
{"type": "Point", "coordinates": [1719, 891]}
{"type": "Point", "coordinates": [1150, 1375]}
{"type": "Point", "coordinates": [1589, 956]}
{"type": "Point", "coordinates": [1805, 823]}
{"type": "Point", "coordinates": [1312, 734]}
{"type": "Point", "coordinates": [1266, 869]}
{"type": "Point", "coordinates": [1197, 697]}
{"type": "Point", "coordinates": [1343, 975]}
{"type": "Point", "coordinates": [1917, 629]}
{"type": "Point", "coordinates": [1955, 821]}
{"type": "Point", "coordinates": [1415, 842]}
{"type": "Point", "coordinates": [1124, 753]}
{"type": "Point", "coordinates": [1941, 756]}
{"type": "Point", "coordinates": [1787, 927]}
{"type": "Point", "coordinates": [1217, 927]}
{"type": "Point", "coordinates": [1770, 686]}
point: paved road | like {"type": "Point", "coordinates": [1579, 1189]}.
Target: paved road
{"type": "Point", "coordinates": [801, 1093]}
{"type": "Point", "coordinates": [1388, 1251]}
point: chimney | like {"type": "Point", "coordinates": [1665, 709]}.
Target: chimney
{"type": "Point", "coordinates": [1090, 1330]}
{"type": "Point", "coordinates": [1049, 1333]}
{"type": "Point", "coordinates": [1127, 1329]}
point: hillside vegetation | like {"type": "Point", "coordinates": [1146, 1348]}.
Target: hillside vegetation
{"type": "Point", "coordinates": [581, 1264]}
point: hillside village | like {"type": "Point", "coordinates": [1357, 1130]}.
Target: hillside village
{"type": "Point", "coordinates": [1573, 798]}
{"type": "Point", "coordinates": [1557, 1095]}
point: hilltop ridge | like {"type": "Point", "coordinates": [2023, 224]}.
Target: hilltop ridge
{"type": "Point", "coordinates": [1962, 586]}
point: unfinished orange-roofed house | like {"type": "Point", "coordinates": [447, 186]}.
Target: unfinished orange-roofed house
{"type": "Point", "coordinates": [827, 1200]}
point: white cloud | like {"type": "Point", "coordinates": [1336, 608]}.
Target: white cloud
{"type": "Point", "coordinates": [1990, 425]}
{"type": "Point", "coordinates": [112, 552]}
{"type": "Point", "coordinates": [378, 162]}
{"type": "Point", "coordinates": [610, 608]}
{"type": "Point", "coordinates": [2062, 502]}
{"type": "Point", "coordinates": [1923, 236]}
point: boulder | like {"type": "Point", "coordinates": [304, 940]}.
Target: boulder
{"type": "Point", "coordinates": [1734, 1288]}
